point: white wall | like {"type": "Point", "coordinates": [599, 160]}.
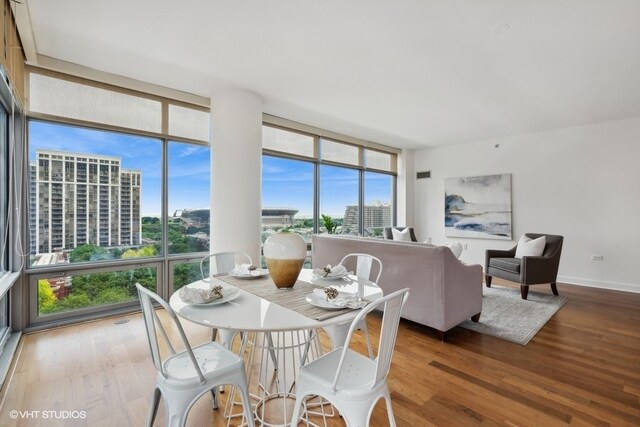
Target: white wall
{"type": "Point", "coordinates": [580, 182]}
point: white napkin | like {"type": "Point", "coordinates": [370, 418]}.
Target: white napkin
{"type": "Point", "coordinates": [197, 296]}
{"type": "Point", "coordinates": [343, 299]}
{"type": "Point", "coordinates": [243, 270]}
{"type": "Point", "coordinates": [337, 271]}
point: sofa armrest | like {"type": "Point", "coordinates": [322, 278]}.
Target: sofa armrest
{"type": "Point", "coordinates": [461, 289]}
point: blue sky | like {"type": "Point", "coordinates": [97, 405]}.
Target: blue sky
{"type": "Point", "coordinates": [286, 183]}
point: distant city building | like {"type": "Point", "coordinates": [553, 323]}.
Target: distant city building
{"type": "Point", "coordinates": [271, 217]}
{"type": "Point", "coordinates": [193, 217]}
{"type": "Point", "coordinates": [278, 217]}
{"type": "Point", "coordinates": [78, 199]}
{"type": "Point", "coordinates": [376, 215]}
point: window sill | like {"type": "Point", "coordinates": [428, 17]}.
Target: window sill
{"type": "Point", "coordinates": [7, 280]}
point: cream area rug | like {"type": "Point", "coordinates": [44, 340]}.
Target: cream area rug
{"type": "Point", "coordinates": [506, 315]}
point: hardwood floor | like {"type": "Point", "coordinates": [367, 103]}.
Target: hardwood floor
{"type": "Point", "coordinates": [582, 368]}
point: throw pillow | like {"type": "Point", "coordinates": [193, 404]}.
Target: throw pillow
{"type": "Point", "coordinates": [456, 248]}
{"type": "Point", "coordinates": [528, 247]}
{"type": "Point", "coordinates": [403, 236]}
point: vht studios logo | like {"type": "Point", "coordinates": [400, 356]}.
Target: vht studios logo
{"type": "Point", "coordinates": [50, 415]}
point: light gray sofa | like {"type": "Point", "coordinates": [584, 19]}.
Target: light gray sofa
{"type": "Point", "coordinates": [444, 291]}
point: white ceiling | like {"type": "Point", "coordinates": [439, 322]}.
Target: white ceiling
{"type": "Point", "coordinates": [406, 73]}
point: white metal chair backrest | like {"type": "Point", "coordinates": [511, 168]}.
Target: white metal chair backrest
{"type": "Point", "coordinates": [224, 262]}
{"type": "Point", "coordinates": [364, 265]}
{"type": "Point", "coordinates": [391, 318]}
{"type": "Point", "coordinates": [154, 327]}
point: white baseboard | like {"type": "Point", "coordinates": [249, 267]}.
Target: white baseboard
{"type": "Point", "coordinates": [625, 287]}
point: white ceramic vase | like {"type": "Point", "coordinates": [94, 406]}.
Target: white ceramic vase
{"type": "Point", "coordinates": [284, 253]}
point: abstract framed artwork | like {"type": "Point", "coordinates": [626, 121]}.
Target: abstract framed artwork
{"type": "Point", "coordinates": [478, 206]}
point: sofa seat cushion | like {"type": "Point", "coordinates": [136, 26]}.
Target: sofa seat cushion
{"type": "Point", "coordinates": [511, 265]}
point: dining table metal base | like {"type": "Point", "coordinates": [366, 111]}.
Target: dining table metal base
{"type": "Point", "coordinates": [273, 360]}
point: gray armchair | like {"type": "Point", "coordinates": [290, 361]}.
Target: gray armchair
{"type": "Point", "coordinates": [530, 270]}
{"type": "Point", "coordinates": [388, 234]}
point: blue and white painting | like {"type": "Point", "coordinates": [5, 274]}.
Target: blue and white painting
{"type": "Point", "coordinates": [478, 206]}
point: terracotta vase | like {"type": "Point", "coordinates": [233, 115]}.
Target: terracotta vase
{"type": "Point", "coordinates": [284, 253]}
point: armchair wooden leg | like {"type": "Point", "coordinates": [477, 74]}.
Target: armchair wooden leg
{"type": "Point", "coordinates": [554, 289]}
{"type": "Point", "coordinates": [442, 335]}
{"type": "Point", "coordinates": [487, 280]}
{"type": "Point", "coordinates": [524, 291]}
{"type": "Point", "coordinates": [475, 318]}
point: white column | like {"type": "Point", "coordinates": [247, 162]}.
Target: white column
{"type": "Point", "coordinates": [236, 172]}
{"type": "Point", "coordinates": [405, 190]}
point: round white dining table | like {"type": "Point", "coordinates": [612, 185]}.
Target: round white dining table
{"type": "Point", "coordinates": [249, 312]}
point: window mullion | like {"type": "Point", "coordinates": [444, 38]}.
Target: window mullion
{"type": "Point", "coordinates": [361, 202]}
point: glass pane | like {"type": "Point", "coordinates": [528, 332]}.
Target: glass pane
{"type": "Point", "coordinates": [92, 207]}
{"type": "Point", "coordinates": [287, 196]}
{"type": "Point", "coordinates": [67, 293]}
{"type": "Point", "coordinates": [287, 142]}
{"type": "Point", "coordinates": [50, 95]}
{"type": "Point", "coordinates": [4, 192]}
{"type": "Point", "coordinates": [378, 160]}
{"type": "Point", "coordinates": [189, 123]}
{"type": "Point", "coordinates": [378, 205]}
{"type": "Point", "coordinates": [188, 272]}
{"type": "Point", "coordinates": [339, 199]}
{"type": "Point", "coordinates": [5, 321]}
{"type": "Point", "coordinates": [189, 179]}
{"type": "Point", "coordinates": [339, 152]}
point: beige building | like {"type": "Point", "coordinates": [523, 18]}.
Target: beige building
{"type": "Point", "coordinates": [377, 214]}
{"type": "Point", "coordinates": [81, 199]}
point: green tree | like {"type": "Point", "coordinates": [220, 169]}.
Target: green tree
{"type": "Point", "coordinates": [329, 224]}
{"type": "Point", "coordinates": [184, 274]}
{"type": "Point", "coordinates": [85, 252]}
{"type": "Point", "coordinates": [145, 251]}
{"type": "Point", "coordinates": [112, 295]}
{"type": "Point", "coordinates": [46, 298]}
{"type": "Point", "coordinates": [74, 301]}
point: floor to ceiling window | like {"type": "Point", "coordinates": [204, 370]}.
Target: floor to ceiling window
{"type": "Point", "coordinates": [5, 243]}
{"type": "Point", "coordinates": [379, 191]}
{"type": "Point", "coordinates": [91, 193]}
{"type": "Point", "coordinates": [189, 184]}
{"type": "Point", "coordinates": [189, 175]}
{"type": "Point", "coordinates": [287, 196]}
{"type": "Point", "coordinates": [313, 183]}
{"type": "Point", "coordinates": [118, 195]}
{"type": "Point", "coordinates": [11, 212]}
{"type": "Point", "coordinates": [4, 191]}
{"type": "Point", "coordinates": [339, 199]}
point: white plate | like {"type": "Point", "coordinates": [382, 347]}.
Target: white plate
{"type": "Point", "coordinates": [250, 276]}
{"type": "Point", "coordinates": [320, 274]}
{"type": "Point", "coordinates": [231, 294]}
{"type": "Point", "coordinates": [319, 301]}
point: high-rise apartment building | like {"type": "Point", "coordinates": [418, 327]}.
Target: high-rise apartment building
{"type": "Point", "coordinates": [377, 214]}
{"type": "Point", "coordinates": [78, 199]}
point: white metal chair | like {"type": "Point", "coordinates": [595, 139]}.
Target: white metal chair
{"type": "Point", "coordinates": [352, 382]}
{"type": "Point", "coordinates": [185, 376]}
{"type": "Point", "coordinates": [220, 263]}
{"type": "Point", "coordinates": [364, 264]}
